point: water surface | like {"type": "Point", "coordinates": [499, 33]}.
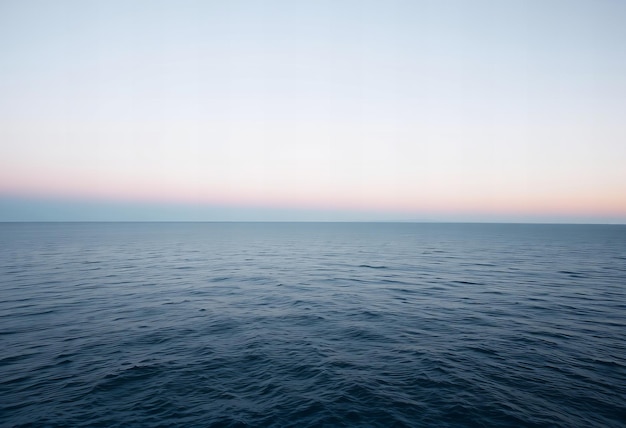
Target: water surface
{"type": "Point", "coordinates": [312, 324]}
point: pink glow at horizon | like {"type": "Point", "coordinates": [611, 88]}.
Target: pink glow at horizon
{"type": "Point", "coordinates": [609, 204]}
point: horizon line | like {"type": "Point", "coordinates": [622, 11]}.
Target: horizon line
{"type": "Point", "coordinates": [326, 221]}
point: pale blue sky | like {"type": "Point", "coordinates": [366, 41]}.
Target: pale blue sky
{"type": "Point", "coordinates": [387, 109]}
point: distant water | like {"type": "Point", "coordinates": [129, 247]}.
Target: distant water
{"type": "Point", "coordinates": [252, 324]}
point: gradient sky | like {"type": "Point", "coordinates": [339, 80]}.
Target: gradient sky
{"type": "Point", "coordinates": [316, 110]}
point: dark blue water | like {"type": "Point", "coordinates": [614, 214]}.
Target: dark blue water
{"type": "Point", "coordinates": [227, 324]}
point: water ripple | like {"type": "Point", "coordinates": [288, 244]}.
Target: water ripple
{"type": "Point", "coordinates": [312, 325]}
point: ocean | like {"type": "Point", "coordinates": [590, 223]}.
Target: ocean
{"type": "Point", "coordinates": [312, 324]}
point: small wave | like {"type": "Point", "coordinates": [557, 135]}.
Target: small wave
{"type": "Point", "coordinates": [125, 377]}
{"type": "Point", "coordinates": [482, 350]}
{"type": "Point", "coordinates": [395, 281]}
{"type": "Point", "coordinates": [468, 282]}
{"type": "Point", "coordinates": [403, 290]}
{"type": "Point", "coordinates": [15, 358]}
{"type": "Point", "coordinates": [572, 274]}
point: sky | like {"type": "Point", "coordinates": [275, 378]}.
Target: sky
{"type": "Point", "coordinates": [313, 110]}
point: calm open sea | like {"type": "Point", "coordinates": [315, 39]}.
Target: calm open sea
{"type": "Point", "coordinates": [312, 324]}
